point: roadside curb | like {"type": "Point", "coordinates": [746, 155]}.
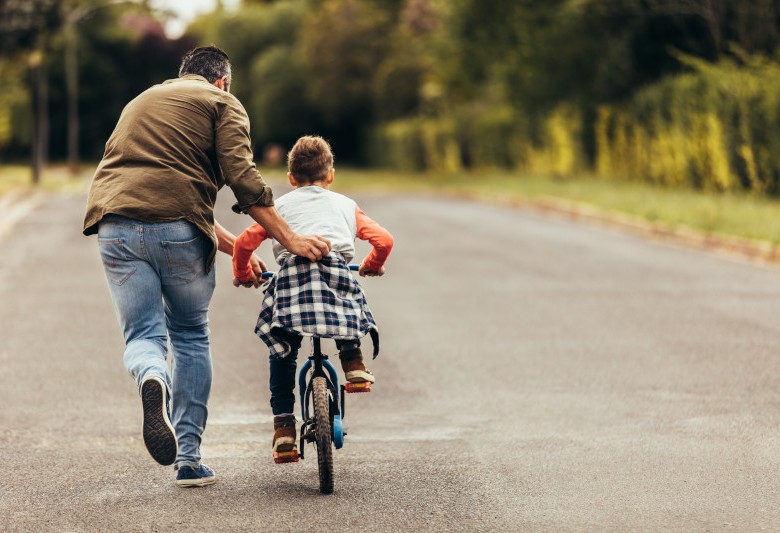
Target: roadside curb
{"type": "Point", "coordinates": [15, 205]}
{"type": "Point", "coordinates": [748, 249]}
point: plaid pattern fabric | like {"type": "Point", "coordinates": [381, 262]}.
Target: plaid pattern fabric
{"type": "Point", "coordinates": [313, 299]}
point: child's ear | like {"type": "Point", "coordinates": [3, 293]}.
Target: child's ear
{"type": "Point", "coordinates": [292, 179]}
{"type": "Point", "coordinates": [331, 174]}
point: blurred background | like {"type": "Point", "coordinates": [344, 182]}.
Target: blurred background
{"type": "Point", "coordinates": [670, 94]}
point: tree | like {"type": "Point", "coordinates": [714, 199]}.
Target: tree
{"type": "Point", "coordinates": [279, 113]}
{"type": "Point", "coordinates": [248, 32]}
{"type": "Point", "coordinates": [122, 50]}
{"type": "Point", "coordinates": [23, 23]}
{"type": "Point", "coordinates": [341, 45]}
{"type": "Point", "coordinates": [268, 76]}
{"type": "Point", "coordinates": [12, 96]}
{"type": "Point", "coordinates": [25, 30]}
{"type": "Point", "coordinates": [403, 79]}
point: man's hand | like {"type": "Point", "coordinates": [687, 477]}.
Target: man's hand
{"type": "Point", "coordinates": [258, 267]}
{"type": "Point", "coordinates": [312, 247]}
{"type": "Point", "coordinates": [363, 271]}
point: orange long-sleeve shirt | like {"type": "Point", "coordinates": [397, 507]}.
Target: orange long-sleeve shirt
{"type": "Point", "coordinates": [366, 229]}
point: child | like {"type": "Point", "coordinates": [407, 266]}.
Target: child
{"type": "Point", "coordinates": [307, 298]}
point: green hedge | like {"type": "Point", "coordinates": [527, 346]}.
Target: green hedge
{"type": "Point", "coordinates": [715, 129]}
{"type": "Point", "coordinates": [417, 144]}
{"type": "Point", "coordinates": [484, 137]}
{"type": "Point", "coordinates": [473, 137]}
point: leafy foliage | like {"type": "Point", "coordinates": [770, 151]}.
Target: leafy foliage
{"type": "Point", "coordinates": [24, 23]}
{"type": "Point", "coordinates": [673, 91]}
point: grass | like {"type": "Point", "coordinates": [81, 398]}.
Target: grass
{"type": "Point", "coordinates": [53, 178]}
{"type": "Point", "coordinates": [738, 215]}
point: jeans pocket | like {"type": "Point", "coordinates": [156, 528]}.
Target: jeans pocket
{"type": "Point", "coordinates": [114, 254]}
{"type": "Point", "coordinates": [185, 260]}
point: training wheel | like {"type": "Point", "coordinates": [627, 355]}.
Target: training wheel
{"type": "Point", "coordinates": [338, 432]}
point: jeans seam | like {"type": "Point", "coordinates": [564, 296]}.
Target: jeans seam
{"type": "Point", "coordinates": [143, 243]}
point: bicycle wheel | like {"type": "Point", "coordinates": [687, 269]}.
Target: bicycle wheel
{"type": "Point", "coordinates": [323, 434]}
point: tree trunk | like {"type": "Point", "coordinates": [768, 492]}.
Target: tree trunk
{"type": "Point", "coordinates": [72, 83]}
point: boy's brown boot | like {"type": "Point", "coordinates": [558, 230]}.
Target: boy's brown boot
{"type": "Point", "coordinates": [359, 378]}
{"type": "Point", "coordinates": [285, 439]}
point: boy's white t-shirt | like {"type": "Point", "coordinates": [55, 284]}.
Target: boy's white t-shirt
{"type": "Point", "coordinates": [316, 211]}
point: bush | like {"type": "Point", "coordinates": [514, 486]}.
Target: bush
{"type": "Point", "coordinates": [493, 137]}
{"type": "Point", "coordinates": [715, 128]}
{"type": "Point", "coordinates": [559, 151]}
{"type": "Point", "coordinates": [398, 145]}
{"type": "Point", "coordinates": [712, 129]}
{"type": "Point", "coordinates": [417, 144]}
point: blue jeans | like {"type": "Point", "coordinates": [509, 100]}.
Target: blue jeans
{"type": "Point", "coordinates": [161, 290]}
{"type": "Point", "coordinates": [282, 372]}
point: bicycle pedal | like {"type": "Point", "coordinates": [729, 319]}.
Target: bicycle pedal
{"type": "Point", "coordinates": [364, 386]}
{"type": "Point", "coordinates": [286, 457]}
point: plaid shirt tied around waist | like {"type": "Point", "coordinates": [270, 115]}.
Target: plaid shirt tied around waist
{"type": "Point", "coordinates": [319, 299]}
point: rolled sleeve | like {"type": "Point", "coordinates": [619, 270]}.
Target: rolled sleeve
{"type": "Point", "coordinates": [263, 198]}
{"type": "Point", "coordinates": [234, 154]}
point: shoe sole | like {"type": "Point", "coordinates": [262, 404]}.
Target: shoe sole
{"type": "Point", "coordinates": [285, 450]}
{"type": "Point", "coordinates": [159, 436]}
{"type": "Point", "coordinates": [359, 376]}
{"type": "Point", "coordinates": [202, 482]}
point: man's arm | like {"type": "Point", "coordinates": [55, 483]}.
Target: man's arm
{"type": "Point", "coordinates": [312, 247]}
{"type": "Point", "coordinates": [254, 197]}
{"type": "Point", "coordinates": [225, 239]}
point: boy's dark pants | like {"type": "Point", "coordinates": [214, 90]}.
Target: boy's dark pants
{"type": "Point", "coordinates": [283, 369]}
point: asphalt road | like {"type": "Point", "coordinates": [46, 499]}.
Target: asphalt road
{"type": "Point", "coordinates": [536, 375]}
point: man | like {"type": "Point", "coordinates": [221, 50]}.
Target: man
{"type": "Point", "coordinates": [152, 205]}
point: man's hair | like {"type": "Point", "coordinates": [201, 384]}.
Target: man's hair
{"type": "Point", "coordinates": [207, 61]}
{"type": "Point", "coordinates": [310, 159]}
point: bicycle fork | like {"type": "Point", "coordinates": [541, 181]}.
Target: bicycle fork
{"type": "Point", "coordinates": [318, 365]}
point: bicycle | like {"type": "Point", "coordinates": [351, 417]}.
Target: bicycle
{"type": "Point", "coordinates": [322, 407]}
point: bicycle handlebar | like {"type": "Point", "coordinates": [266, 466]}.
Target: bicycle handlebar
{"type": "Point", "coordinates": [269, 274]}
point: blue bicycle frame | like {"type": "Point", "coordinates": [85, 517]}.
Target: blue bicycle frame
{"type": "Point", "coordinates": [321, 365]}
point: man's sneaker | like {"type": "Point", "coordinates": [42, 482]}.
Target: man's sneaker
{"type": "Point", "coordinates": [359, 379]}
{"type": "Point", "coordinates": [285, 444]}
{"type": "Point", "coordinates": [195, 477]}
{"type": "Point", "coordinates": [159, 436]}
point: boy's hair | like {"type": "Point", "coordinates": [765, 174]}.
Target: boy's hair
{"type": "Point", "coordinates": [310, 159]}
{"type": "Point", "coordinates": [207, 61]}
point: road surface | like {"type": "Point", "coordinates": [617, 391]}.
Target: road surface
{"type": "Point", "coordinates": [536, 375]}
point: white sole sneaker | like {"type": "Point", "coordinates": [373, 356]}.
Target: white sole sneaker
{"type": "Point", "coordinates": [159, 436]}
{"type": "Point", "coordinates": [359, 376]}
{"type": "Point", "coordinates": [190, 477]}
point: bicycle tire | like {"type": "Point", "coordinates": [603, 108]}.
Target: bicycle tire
{"type": "Point", "coordinates": [323, 434]}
